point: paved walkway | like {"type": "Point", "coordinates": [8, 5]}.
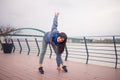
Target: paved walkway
{"type": "Point", "coordinates": [25, 67]}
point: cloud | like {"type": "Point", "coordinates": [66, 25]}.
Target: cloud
{"type": "Point", "coordinates": [81, 17]}
{"type": "Point", "coordinates": [59, 3]}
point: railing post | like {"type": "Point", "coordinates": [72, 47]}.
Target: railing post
{"type": "Point", "coordinates": [13, 45]}
{"type": "Point", "coordinates": [86, 50]}
{"type": "Point", "coordinates": [66, 53]}
{"type": "Point", "coordinates": [37, 47]}
{"type": "Point", "coordinates": [28, 46]}
{"type": "Point", "coordinates": [114, 41]}
{"type": "Point", "coordinates": [20, 45]}
{"type": "Point", "coordinates": [50, 50]}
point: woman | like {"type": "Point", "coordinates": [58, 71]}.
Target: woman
{"type": "Point", "coordinates": [58, 42]}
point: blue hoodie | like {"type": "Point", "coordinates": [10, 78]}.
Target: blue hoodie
{"type": "Point", "coordinates": [49, 35]}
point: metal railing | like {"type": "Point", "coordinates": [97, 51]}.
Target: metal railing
{"type": "Point", "coordinates": [105, 49]}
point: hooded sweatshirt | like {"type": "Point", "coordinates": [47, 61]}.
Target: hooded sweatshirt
{"type": "Point", "coordinates": [49, 35]}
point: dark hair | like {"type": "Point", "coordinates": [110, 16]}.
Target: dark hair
{"type": "Point", "coordinates": [62, 44]}
{"type": "Point", "coordinates": [63, 35]}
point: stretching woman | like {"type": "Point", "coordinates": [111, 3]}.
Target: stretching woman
{"type": "Point", "coordinates": [58, 41]}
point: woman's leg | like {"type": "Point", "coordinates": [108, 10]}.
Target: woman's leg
{"type": "Point", "coordinates": [44, 47]}
{"type": "Point", "coordinates": [58, 59]}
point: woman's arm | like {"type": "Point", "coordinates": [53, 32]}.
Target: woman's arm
{"type": "Point", "coordinates": [55, 22]}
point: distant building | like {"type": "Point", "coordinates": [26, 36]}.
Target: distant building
{"type": "Point", "coordinates": [79, 40]}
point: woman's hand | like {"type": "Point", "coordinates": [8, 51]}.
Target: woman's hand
{"type": "Point", "coordinates": [59, 69]}
{"type": "Point", "coordinates": [57, 14]}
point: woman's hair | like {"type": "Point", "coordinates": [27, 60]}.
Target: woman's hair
{"type": "Point", "coordinates": [62, 44]}
{"type": "Point", "coordinates": [63, 35]}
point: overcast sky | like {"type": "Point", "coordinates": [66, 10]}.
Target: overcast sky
{"type": "Point", "coordinates": [77, 17]}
